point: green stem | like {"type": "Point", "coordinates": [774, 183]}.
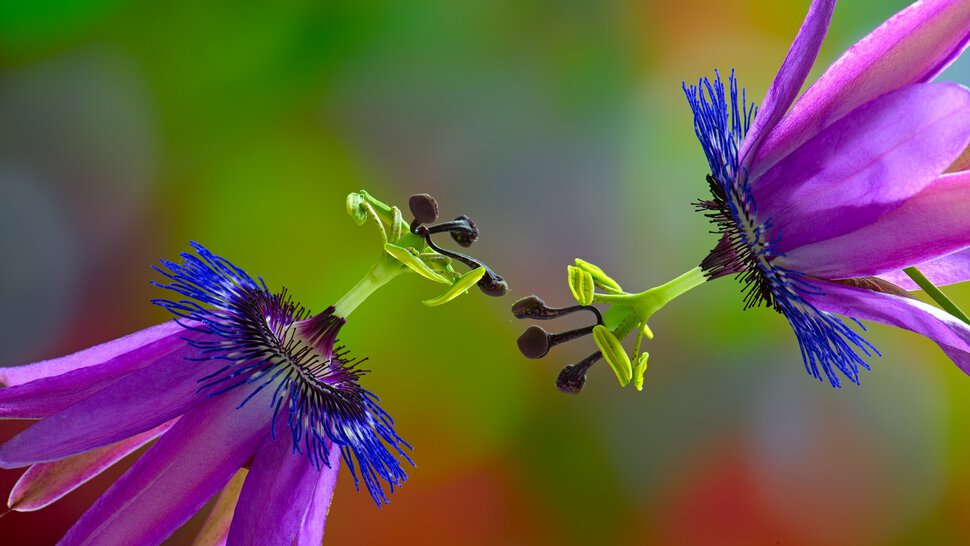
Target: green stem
{"type": "Point", "coordinates": [937, 294]}
{"type": "Point", "coordinates": [663, 294]}
{"type": "Point", "coordinates": [380, 274]}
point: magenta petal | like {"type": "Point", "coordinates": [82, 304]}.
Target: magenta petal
{"type": "Point", "coordinates": [866, 164]}
{"type": "Point", "coordinates": [44, 395]}
{"type": "Point", "coordinates": [951, 334]}
{"type": "Point", "coordinates": [931, 224]}
{"type": "Point", "coordinates": [315, 518]}
{"type": "Point", "coordinates": [174, 478]}
{"type": "Point", "coordinates": [45, 483]}
{"type": "Point", "coordinates": [133, 404]}
{"type": "Point", "coordinates": [913, 46]}
{"type": "Point", "coordinates": [109, 352]}
{"type": "Point", "coordinates": [275, 495]}
{"type": "Point", "coordinates": [788, 82]}
{"type": "Point", "coordinates": [949, 269]}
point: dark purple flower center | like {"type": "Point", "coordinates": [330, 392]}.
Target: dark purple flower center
{"type": "Point", "coordinates": [744, 249]}
{"type": "Point", "coordinates": [268, 340]}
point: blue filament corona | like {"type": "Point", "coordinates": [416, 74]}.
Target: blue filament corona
{"type": "Point", "coordinates": [722, 118]}
{"type": "Point", "coordinates": [315, 386]}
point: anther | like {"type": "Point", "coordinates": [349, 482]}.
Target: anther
{"type": "Point", "coordinates": [463, 230]}
{"type": "Point", "coordinates": [424, 208]}
{"type": "Point", "coordinates": [492, 284]}
{"type": "Point", "coordinates": [536, 342]}
{"type": "Point", "coordinates": [572, 378]}
{"type": "Point", "coordinates": [533, 307]}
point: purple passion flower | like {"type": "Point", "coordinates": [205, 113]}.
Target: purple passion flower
{"type": "Point", "coordinates": [836, 203]}
{"type": "Point", "coordinates": [246, 392]}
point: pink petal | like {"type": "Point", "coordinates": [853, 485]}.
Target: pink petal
{"type": "Point", "coordinates": [41, 396]}
{"type": "Point", "coordinates": [315, 518]}
{"type": "Point", "coordinates": [951, 334]}
{"type": "Point", "coordinates": [949, 269]}
{"type": "Point", "coordinates": [93, 356]}
{"type": "Point", "coordinates": [788, 82]}
{"type": "Point", "coordinates": [933, 223]}
{"type": "Point", "coordinates": [174, 478]}
{"type": "Point", "coordinates": [276, 494]}
{"type": "Point", "coordinates": [45, 483]}
{"type": "Point", "coordinates": [140, 401]}
{"type": "Point", "coordinates": [913, 46]}
{"type": "Point", "coordinates": [216, 527]}
{"type": "Point", "coordinates": [865, 165]}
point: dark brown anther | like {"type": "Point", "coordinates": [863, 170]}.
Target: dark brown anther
{"type": "Point", "coordinates": [536, 342]}
{"type": "Point", "coordinates": [534, 308]}
{"type": "Point", "coordinates": [572, 378]}
{"type": "Point", "coordinates": [530, 307]}
{"type": "Point", "coordinates": [462, 229]}
{"type": "Point", "coordinates": [424, 208]}
{"type": "Point", "coordinates": [492, 284]}
{"type": "Point", "coordinates": [465, 237]}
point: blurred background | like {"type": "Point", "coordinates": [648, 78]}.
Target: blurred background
{"type": "Point", "coordinates": [129, 128]}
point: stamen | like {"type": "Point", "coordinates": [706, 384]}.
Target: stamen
{"type": "Point", "coordinates": [536, 342]}
{"type": "Point", "coordinates": [533, 307]}
{"type": "Point", "coordinates": [492, 284]}
{"type": "Point", "coordinates": [424, 208]}
{"type": "Point", "coordinates": [572, 378]}
{"type": "Point", "coordinates": [463, 230]}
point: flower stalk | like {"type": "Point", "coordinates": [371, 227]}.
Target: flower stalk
{"type": "Point", "coordinates": [936, 294]}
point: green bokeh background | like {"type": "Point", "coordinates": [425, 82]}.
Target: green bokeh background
{"type": "Point", "coordinates": [129, 128]}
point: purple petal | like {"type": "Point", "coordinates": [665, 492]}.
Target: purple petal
{"type": "Point", "coordinates": [93, 356]}
{"type": "Point", "coordinates": [951, 334]}
{"type": "Point", "coordinates": [931, 224]}
{"type": "Point", "coordinates": [43, 395]}
{"type": "Point", "coordinates": [315, 518]}
{"type": "Point", "coordinates": [174, 478]}
{"type": "Point", "coordinates": [45, 483]}
{"type": "Point", "coordinates": [949, 269]}
{"type": "Point", "coordinates": [140, 401]}
{"type": "Point", "coordinates": [216, 527]}
{"type": "Point", "coordinates": [864, 165]}
{"type": "Point", "coordinates": [913, 46]}
{"type": "Point", "coordinates": [788, 82]}
{"type": "Point", "coordinates": [276, 493]}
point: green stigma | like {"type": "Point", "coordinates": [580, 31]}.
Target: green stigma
{"type": "Point", "coordinates": [410, 248]}
{"type": "Point", "coordinates": [626, 313]}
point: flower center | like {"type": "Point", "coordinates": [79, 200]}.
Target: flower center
{"type": "Point", "coordinates": [743, 249]}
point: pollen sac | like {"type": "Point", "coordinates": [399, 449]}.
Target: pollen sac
{"type": "Point", "coordinates": [600, 278]}
{"type": "Point", "coordinates": [534, 342]}
{"type": "Point", "coordinates": [424, 208]}
{"type": "Point", "coordinates": [492, 284]}
{"type": "Point", "coordinates": [581, 285]}
{"type": "Point", "coordinates": [530, 307]}
{"type": "Point", "coordinates": [465, 237]}
{"type": "Point", "coordinates": [459, 287]}
{"type": "Point", "coordinates": [614, 354]}
{"type": "Point", "coordinates": [571, 379]}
